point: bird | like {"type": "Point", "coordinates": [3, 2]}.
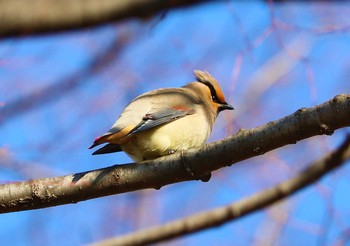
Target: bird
{"type": "Point", "coordinates": [165, 121]}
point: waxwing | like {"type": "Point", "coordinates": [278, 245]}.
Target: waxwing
{"type": "Point", "coordinates": [164, 121]}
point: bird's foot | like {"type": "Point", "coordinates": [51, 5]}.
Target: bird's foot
{"type": "Point", "coordinates": [205, 178]}
{"type": "Point", "coordinates": [188, 169]}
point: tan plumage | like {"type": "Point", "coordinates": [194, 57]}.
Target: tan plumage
{"type": "Point", "coordinates": [165, 121]}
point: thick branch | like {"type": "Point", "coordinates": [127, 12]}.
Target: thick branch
{"type": "Point", "coordinates": [18, 17]}
{"type": "Point", "coordinates": [304, 123]}
{"type": "Point", "coordinates": [222, 215]}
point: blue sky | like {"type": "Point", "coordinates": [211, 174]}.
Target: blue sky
{"type": "Point", "coordinates": [270, 60]}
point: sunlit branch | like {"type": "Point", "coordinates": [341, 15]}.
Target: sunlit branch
{"type": "Point", "coordinates": [304, 123]}
{"type": "Point", "coordinates": [222, 215]}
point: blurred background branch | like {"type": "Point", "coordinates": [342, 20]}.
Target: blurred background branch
{"type": "Point", "coordinates": [66, 85]}
{"type": "Point", "coordinates": [61, 85]}
{"type": "Point", "coordinates": [21, 17]}
{"type": "Point", "coordinates": [220, 216]}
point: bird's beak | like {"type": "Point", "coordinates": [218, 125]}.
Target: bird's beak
{"type": "Point", "coordinates": [225, 106]}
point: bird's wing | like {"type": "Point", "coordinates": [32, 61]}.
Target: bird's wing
{"type": "Point", "coordinates": [150, 120]}
{"type": "Point", "coordinates": [163, 116]}
{"type": "Point", "coordinates": [148, 111]}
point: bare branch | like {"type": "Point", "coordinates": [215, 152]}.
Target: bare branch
{"type": "Point", "coordinates": [18, 17]}
{"type": "Point", "coordinates": [222, 215]}
{"type": "Point", "coordinates": [304, 123]}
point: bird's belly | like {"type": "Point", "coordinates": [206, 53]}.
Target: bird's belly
{"type": "Point", "coordinates": [182, 134]}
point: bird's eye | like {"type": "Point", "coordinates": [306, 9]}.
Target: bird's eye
{"type": "Point", "coordinates": [214, 98]}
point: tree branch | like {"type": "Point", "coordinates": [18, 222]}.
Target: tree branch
{"type": "Point", "coordinates": [222, 215]}
{"type": "Point", "coordinates": [304, 123]}
{"type": "Point", "coordinates": [18, 17]}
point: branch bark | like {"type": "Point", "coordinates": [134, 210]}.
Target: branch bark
{"type": "Point", "coordinates": [18, 17]}
{"type": "Point", "coordinates": [304, 123]}
{"type": "Point", "coordinates": [225, 214]}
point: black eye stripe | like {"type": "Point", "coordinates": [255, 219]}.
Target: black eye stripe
{"type": "Point", "coordinates": [214, 96]}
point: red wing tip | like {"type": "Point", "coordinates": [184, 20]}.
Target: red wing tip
{"type": "Point", "coordinates": [184, 109]}
{"type": "Point", "coordinates": [181, 108]}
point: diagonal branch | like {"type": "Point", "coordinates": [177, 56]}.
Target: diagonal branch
{"type": "Point", "coordinates": [18, 17]}
{"type": "Point", "coordinates": [304, 123]}
{"type": "Point", "coordinates": [222, 215]}
{"type": "Point", "coordinates": [66, 85]}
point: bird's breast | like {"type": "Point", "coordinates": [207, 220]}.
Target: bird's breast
{"type": "Point", "coordinates": [182, 134]}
